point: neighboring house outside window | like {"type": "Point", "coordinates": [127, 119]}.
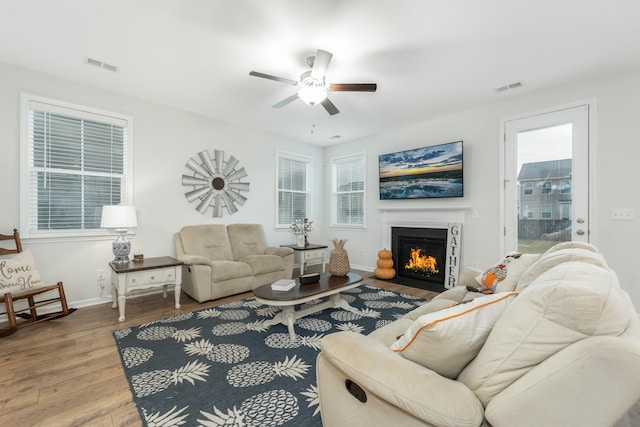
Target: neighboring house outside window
{"type": "Point", "coordinates": [348, 191]}
{"type": "Point", "coordinates": [294, 188]}
{"type": "Point", "coordinates": [75, 159]}
{"type": "Point", "coordinates": [553, 178]}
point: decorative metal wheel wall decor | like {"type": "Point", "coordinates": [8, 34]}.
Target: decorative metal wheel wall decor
{"type": "Point", "coordinates": [216, 183]}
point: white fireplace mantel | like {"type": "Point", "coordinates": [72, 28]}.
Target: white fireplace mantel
{"type": "Point", "coordinates": [435, 217]}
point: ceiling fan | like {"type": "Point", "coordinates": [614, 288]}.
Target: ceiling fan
{"type": "Point", "coordinates": [313, 86]}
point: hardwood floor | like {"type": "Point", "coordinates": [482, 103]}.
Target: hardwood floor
{"type": "Point", "coordinates": [67, 372]}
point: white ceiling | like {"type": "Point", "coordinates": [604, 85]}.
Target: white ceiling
{"type": "Point", "coordinates": [429, 57]}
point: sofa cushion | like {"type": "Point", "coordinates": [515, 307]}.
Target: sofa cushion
{"type": "Point", "coordinates": [571, 245]}
{"type": "Point", "coordinates": [261, 264]}
{"type": "Point", "coordinates": [504, 276]}
{"type": "Point", "coordinates": [210, 241]}
{"type": "Point", "coordinates": [565, 304]}
{"type": "Point", "coordinates": [227, 270]}
{"type": "Point", "coordinates": [18, 274]}
{"type": "Point", "coordinates": [446, 340]}
{"type": "Point", "coordinates": [247, 239]}
{"type": "Point", "coordinates": [554, 257]}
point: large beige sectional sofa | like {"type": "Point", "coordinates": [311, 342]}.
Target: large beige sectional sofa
{"type": "Point", "coordinates": [554, 342]}
{"type": "Point", "coordinates": [222, 260]}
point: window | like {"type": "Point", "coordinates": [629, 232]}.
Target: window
{"type": "Point", "coordinates": [347, 190]}
{"type": "Point", "coordinates": [565, 186]}
{"type": "Point", "coordinates": [545, 211]}
{"type": "Point", "coordinates": [528, 212]}
{"type": "Point", "coordinates": [527, 188]}
{"type": "Point", "coordinates": [74, 161]}
{"type": "Point", "coordinates": [294, 188]}
{"type": "Point", "coordinates": [546, 188]}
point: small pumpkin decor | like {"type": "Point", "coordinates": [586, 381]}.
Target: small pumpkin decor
{"type": "Point", "coordinates": [339, 259]}
{"type": "Point", "coordinates": [385, 268]}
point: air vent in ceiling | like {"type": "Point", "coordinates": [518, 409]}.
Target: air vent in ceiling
{"type": "Point", "coordinates": [514, 85]}
{"type": "Point", "coordinates": [103, 65]}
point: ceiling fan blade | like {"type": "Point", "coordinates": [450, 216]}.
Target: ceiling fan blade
{"type": "Point", "coordinates": [286, 101]}
{"type": "Point", "coordinates": [353, 87]}
{"type": "Point", "coordinates": [328, 105]}
{"type": "Point", "coordinates": [270, 77]}
{"type": "Point", "coordinates": [320, 64]}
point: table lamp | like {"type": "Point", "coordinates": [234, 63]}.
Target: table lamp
{"type": "Point", "coordinates": [119, 218]}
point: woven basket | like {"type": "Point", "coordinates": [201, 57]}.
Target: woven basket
{"type": "Point", "coordinates": [339, 259]}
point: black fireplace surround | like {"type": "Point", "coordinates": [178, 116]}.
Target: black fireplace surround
{"type": "Point", "coordinates": [419, 257]}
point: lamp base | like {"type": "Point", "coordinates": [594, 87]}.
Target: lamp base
{"type": "Point", "coordinates": [121, 249]}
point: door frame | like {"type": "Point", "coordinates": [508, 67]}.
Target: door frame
{"type": "Point", "coordinates": [591, 105]}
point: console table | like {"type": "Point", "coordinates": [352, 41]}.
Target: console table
{"type": "Point", "coordinates": [149, 273]}
{"type": "Point", "coordinates": [303, 254]}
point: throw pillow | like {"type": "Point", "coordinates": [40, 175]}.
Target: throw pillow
{"type": "Point", "coordinates": [504, 276]}
{"type": "Point", "coordinates": [446, 341]}
{"type": "Point", "coordinates": [18, 274]}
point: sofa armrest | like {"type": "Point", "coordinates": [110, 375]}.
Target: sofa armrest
{"type": "Point", "coordinates": [414, 389]}
{"type": "Point", "coordinates": [280, 251]}
{"type": "Point", "coordinates": [194, 259]}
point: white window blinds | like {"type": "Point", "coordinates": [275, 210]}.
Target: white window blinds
{"type": "Point", "coordinates": [77, 162]}
{"type": "Point", "coordinates": [293, 188]}
{"type": "Point", "coordinates": [348, 190]}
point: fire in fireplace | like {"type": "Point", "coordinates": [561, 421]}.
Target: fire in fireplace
{"type": "Point", "coordinates": [420, 257]}
{"type": "Point", "coordinates": [421, 263]}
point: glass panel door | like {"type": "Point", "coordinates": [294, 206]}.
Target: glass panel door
{"type": "Point", "coordinates": [546, 180]}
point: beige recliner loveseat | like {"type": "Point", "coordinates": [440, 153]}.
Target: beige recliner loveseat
{"type": "Point", "coordinates": [223, 260]}
{"type": "Point", "coordinates": [557, 343]}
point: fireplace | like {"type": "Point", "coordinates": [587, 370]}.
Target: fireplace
{"type": "Point", "coordinates": [420, 257]}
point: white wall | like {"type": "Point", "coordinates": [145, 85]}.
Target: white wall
{"type": "Point", "coordinates": [617, 160]}
{"type": "Point", "coordinates": [164, 139]}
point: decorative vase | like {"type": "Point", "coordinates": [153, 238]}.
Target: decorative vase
{"type": "Point", "coordinates": [339, 259]}
{"type": "Point", "coordinates": [301, 240]}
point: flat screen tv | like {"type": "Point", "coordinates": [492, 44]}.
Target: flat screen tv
{"type": "Point", "coordinates": [422, 173]}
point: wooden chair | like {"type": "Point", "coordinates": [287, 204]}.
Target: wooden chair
{"type": "Point", "coordinates": [32, 316]}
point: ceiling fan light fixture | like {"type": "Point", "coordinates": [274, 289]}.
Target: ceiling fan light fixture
{"type": "Point", "coordinates": [312, 95]}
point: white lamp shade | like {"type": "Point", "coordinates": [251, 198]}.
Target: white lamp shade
{"type": "Point", "coordinates": [118, 217]}
{"type": "Point", "coordinates": [312, 95]}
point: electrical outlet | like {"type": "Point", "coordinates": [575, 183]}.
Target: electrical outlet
{"type": "Point", "coordinates": [101, 274]}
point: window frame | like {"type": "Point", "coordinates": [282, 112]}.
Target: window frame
{"type": "Point", "coordinates": [308, 161]}
{"type": "Point", "coordinates": [28, 228]}
{"type": "Point", "coordinates": [527, 189]}
{"type": "Point", "coordinates": [565, 186]}
{"type": "Point", "coordinates": [529, 212]}
{"type": "Point", "coordinates": [334, 194]}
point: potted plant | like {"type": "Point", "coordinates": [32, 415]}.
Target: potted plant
{"type": "Point", "coordinates": [301, 228]}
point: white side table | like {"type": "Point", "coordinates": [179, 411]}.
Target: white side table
{"type": "Point", "coordinates": [149, 273]}
{"type": "Point", "coordinates": [304, 254]}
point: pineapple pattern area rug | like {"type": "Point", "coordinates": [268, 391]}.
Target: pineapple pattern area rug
{"type": "Point", "coordinates": [222, 367]}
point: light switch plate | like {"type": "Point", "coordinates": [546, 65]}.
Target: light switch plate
{"type": "Point", "coordinates": [623, 213]}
